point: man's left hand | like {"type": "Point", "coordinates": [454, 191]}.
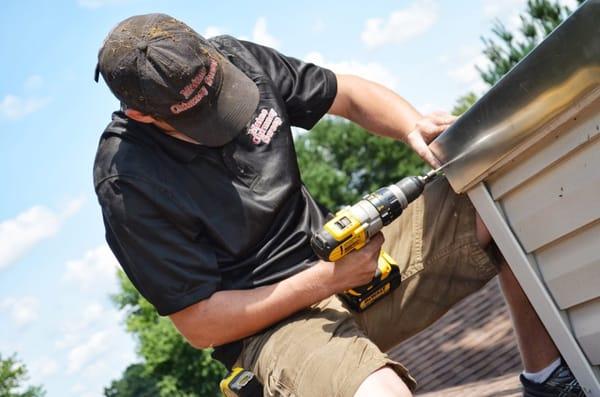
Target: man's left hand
{"type": "Point", "coordinates": [425, 131]}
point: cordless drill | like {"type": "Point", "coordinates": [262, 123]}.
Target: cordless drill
{"type": "Point", "coordinates": [352, 228]}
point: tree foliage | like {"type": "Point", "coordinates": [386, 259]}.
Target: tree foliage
{"type": "Point", "coordinates": [505, 49]}
{"type": "Point", "coordinates": [340, 161]}
{"type": "Point", "coordinates": [135, 382]}
{"type": "Point", "coordinates": [13, 375]}
{"type": "Point", "coordinates": [170, 367]}
{"type": "Point", "coordinates": [463, 103]}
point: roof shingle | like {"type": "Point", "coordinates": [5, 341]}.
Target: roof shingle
{"type": "Point", "coordinates": [473, 342]}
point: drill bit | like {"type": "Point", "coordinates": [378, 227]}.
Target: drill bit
{"type": "Point", "coordinates": [430, 175]}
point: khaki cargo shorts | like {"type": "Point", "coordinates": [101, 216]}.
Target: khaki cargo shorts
{"type": "Point", "coordinates": [328, 350]}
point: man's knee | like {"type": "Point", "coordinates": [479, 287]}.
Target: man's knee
{"type": "Point", "coordinates": [384, 382]}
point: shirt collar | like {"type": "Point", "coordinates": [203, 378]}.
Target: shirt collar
{"type": "Point", "coordinates": [180, 150]}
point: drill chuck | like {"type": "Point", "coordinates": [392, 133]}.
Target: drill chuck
{"type": "Point", "coordinates": [411, 187]}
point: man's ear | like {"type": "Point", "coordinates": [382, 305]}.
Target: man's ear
{"type": "Point", "coordinates": [139, 116]}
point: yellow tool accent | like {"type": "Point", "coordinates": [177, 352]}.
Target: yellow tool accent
{"type": "Point", "coordinates": [235, 382]}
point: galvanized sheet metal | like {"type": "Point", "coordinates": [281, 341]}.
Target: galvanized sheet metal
{"type": "Point", "coordinates": [562, 70]}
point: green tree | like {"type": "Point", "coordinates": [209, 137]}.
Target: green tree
{"type": "Point", "coordinates": [340, 161]}
{"type": "Point", "coordinates": [135, 382]}
{"type": "Point", "coordinates": [463, 103]}
{"type": "Point", "coordinates": [505, 49]}
{"type": "Point", "coordinates": [169, 364]}
{"type": "Point", "coordinates": [13, 375]}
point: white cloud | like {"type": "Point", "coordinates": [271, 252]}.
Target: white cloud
{"type": "Point", "coordinates": [370, 70]}
{"type": "Point", "coordinates": [464, 71]}
{"type": "Point", "coordinates": [93, 315]}
{"type": "Point", "coordinates": [18, 235]}
{"type": "Point", "coordinates": [13, 107]}
{"type": "Point", "coordinates": [261, 36]}
{"type": "Point", "coordinates": [44, 367]}
{"type": "Point", "coordinates": [92, 318]}
{"type": "Point", "coordinates": [212, 31]}
{"type": "Point", "coordinates": [96, 269]}
{"type": "Point", "coordinates": [95, 347]}
{"type": "Point", "coordinates": [571, 4]}
{"type": "Point", "coordinates": [513, 22]}
{"type": "Point", "coordinates": [507, 11]}
{"type": "Point", "coordinates": [499, 8]}
{"type": "Point", "coordinates": [428, 107]}
{"type": "Point", "coordinates": [93, 4]}
{"type": "Point", "coordinates": [89, 351]}
{"type": "Point", "coordinates": [78, 388]}
{"type": "Point", "coordinates": [22, 310]}
{"type": "Point", "coordinates": [34, 82]}
{"type": "Point", "coordinates": [318, 25]}
{"type": "Point", "coordinates": [401, 25]}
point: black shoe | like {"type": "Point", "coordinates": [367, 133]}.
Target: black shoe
{"type": "Point", "coordinates": [561, 383]}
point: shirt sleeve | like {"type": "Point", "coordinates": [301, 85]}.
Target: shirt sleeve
{"type": "Point", "coordinates": [308, 90]}
{"type": "Point", "coordinates": [167, 265]}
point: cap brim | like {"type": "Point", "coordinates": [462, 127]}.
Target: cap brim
{"type": "Point", "coordinates": [220, 122]}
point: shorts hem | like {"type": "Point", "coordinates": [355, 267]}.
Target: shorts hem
{"type": "Point", "coordinates": [357, 378]}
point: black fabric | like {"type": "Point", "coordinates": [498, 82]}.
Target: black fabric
{"type": "Point", "coordinates": [303, 99]}
{"type": "Point", "coordinates": [186, 220]}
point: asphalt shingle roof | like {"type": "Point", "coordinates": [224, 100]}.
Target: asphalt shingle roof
{"type": "Point", "coordinates": [472, 344]}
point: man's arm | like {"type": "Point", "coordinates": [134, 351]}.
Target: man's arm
{"type": "Point", "coordinates": [385, 113]}
{"type": "Point", "coordinates": [232, 315]}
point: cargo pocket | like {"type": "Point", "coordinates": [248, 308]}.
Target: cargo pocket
{"type": "Point", "coordinates": [404, 239]}
{"type": "Point", "coordinates": [278, 386]}
{"type": "Point", "coordinates": [416, 260]}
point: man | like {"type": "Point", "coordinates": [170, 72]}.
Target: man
{"type": "Point", "coordinates": [205, 210]}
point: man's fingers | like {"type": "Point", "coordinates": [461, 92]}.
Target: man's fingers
{"type": "Point", "coordinates": [429, 130]}
{"type": "Point", "coordinates": [426, 126]}
{"type": "Point", "coordinates": [375, 243]}
{"type": "Point", "coordinates": [420, 147]}
{"type": "Point", "coordinates": [378, 239]}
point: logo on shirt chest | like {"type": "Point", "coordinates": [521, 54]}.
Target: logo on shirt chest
{"type": "Point", "coordinates": [264, 126]}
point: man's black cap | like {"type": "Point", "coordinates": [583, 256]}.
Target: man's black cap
{"type": "Point", "coordinates": [160, 66]}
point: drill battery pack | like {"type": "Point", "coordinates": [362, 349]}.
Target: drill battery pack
{"type": "Point", "coordinates": [387, 278]}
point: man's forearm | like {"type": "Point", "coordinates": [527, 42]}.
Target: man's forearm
{"type": "Point", "coordinates": [231, 315]}
{"type": "Point", "coordinates": [374, 107]}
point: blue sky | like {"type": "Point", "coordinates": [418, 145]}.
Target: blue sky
{"type": "Point", "coordinates": [55, 270]}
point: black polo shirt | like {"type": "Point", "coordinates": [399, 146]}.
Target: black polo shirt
{"type": "Point", "coordinates": [185, 220]}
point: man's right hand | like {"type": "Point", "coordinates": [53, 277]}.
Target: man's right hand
{"type": "Point", "coordinates": [354, 269]}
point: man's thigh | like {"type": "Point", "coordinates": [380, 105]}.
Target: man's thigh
{"type": "Point", "coordinates": [327, 350]}
{"type": "Point", "coordinates": [317, 352]}
{"type": "Point", "coordinates": [435, 245]}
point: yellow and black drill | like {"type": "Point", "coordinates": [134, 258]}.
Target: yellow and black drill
{"type": "Point", "coordinates": [353, 226]}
